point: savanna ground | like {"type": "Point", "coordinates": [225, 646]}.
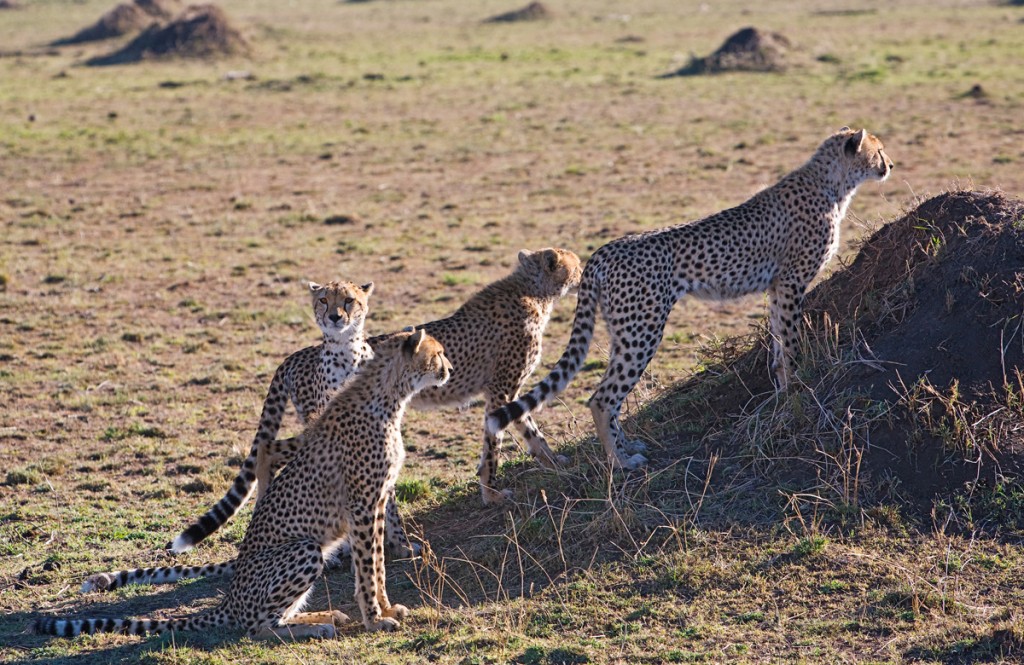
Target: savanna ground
{"type": "Point", "coordinates": [159, 219]}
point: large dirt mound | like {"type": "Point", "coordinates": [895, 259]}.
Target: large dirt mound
{"type": "Point", "coordinates": [913, 383]}
{"type": "Point", "coordinates": [535, 11]}
{"type": "Point", "coordinates": [201, 31]}
{"type": "Point", "coordinates": [749, 50]}
{"type": "Point", "coordinates": [123, 19]}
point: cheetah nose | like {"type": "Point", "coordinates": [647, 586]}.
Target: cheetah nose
{"type": "Point", "coordinates": [334, 317]}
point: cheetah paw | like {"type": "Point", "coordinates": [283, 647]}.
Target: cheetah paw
{"type": "Point", "coordinates": [98, 582]}
{"type": "Point", "coordinates": [494, 498]}
{"type": "Point", "coordinates": [325, 631]}
{"type": "Point", "coordinates": [630, 463]}
{"type": "Point", "coordinates": [396, 612]}
{"type": "Point", "coordinates": [549, 460]}
{"type": "Point", "coordinates": [636, 446]}
{"type": "Point", "coordinates": [386, 624]}
{"type": "Point", "coordinates": [339, 618]}
{"type": "Point", "coordinates": [403, 551]}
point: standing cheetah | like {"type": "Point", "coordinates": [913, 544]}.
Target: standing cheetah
{"type": "Point", "coordinates": [777, 241]}
{"type": "Point", "coordinates": [335, 488]}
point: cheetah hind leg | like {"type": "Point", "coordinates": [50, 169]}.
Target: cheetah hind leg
{"type": "Point", "coordinates": [284, 575]}
{"type": "Point", "coordinates": [538, 445]}
{"type": "Point", "coordinates": [609, 431]}
{"type": "Point", "coordinates": [321, 625]}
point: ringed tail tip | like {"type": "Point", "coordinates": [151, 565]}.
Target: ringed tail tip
{"type": "Point", "coordinates": [180, 544]}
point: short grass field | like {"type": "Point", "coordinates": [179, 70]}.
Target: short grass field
{"type": "Point", "coordinates": [160, 219]}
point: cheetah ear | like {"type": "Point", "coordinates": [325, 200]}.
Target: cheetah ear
{"type": "Point", "coordinates": [524, 254]}
{"type": "Point", "coordinates": [552, 259]}
{"type": "Point", "coordinates": [853, 144]}
{"type": "Point", "coordinates": [314, 287]}
{"type": "Point", "coordinates": [843, 129]}
{"type": "Point", "coordinates": [368, 287]}
{"type": "Point", "coordinates": [412, 342]}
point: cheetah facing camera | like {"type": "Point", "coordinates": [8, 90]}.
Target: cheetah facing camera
{"type": "Point", "coordinates": [308, 378]}
{"type": "Point", "coordinates": [494, 343]}
{"type": "Point", "coordinates": [776, 242]}
{"type": "Point", "coordinates": [336, 487]}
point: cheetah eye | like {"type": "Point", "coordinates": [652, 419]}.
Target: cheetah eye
{"type": "Point", "coordinates": [323, 300]}
{"type": "Point", "coordinates": [349, 301]}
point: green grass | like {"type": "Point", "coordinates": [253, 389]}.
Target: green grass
{"type": "Point", "coordinates": [156, 240]}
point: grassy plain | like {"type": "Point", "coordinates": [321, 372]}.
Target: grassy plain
{"type": "Point", "coordinates": [158, 220]}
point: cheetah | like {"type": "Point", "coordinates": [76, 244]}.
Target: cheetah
{"type": "Point", "coordinates": [777, 242]}
{"type": "Point", "coordinates": [494, 343]}
{"type": "Point", "coordinates": [308, 378]}
{"type": "Point", "coordinates": [334, 488]}
{"type": "Point", "coordinates": [495, 338]}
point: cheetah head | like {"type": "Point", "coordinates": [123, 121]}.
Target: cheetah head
{"type": "Point", "coordinates": [425, 360]}
{"type": "Point", "coordinates": [861, 156]}
{"type": "Point", "coordinates": [556, 271]}
{"type": "Point", "coordinates": [340, 307]}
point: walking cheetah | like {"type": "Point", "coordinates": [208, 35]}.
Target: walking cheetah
{"type": "Point", "coordinates": [776, 241]}
{"type": "Point", "coordinates": [335, 487]}
{"type": "Point", "coordinates": [494, 343]}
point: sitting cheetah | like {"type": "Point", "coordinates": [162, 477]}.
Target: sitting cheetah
{"type": "Point", "coordinates": [777, 241]}
{"type": "Point", "coordinates": [335, 487]}
{"type": "Point", "coordinates": [308, 378]}
{"type": "Point", "coordinates": [494, 343]}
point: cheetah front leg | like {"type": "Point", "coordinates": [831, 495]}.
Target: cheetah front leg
{"type": "Point", "coordinates": [366, 522]}
{"type": "Point", "coordinates": [397, 540]}
{"type": "Point", "coordinates": [488, 469]}
{"type": "Point", "coordinates": [784, 313]}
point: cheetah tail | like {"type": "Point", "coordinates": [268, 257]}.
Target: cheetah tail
{"type": "Point", "coordinates": [63, 627]}
{"type": "Point", "coordinates": [216, 517]}
{"type": "Point", "coordinates": [162, 575]}
{"type": "Point", "coordinates": [568, 365]}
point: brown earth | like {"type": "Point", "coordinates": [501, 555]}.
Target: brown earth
{"type": "Point", "coordinates": [123, 19]}
{"type": "Point", "coordinates": [201, 31]}
{"type": "Point", "coordinates": [535, 11]}
{"type": "Point", "coordinates": [749, 50]}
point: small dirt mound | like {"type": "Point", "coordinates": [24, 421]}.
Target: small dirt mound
{"type": "Point", "coordinates": [535, 11]}
{"type": "Point", "coordinates": [749, 50]}
{"type": "Point", "coordinates": [123, 19]}
{"type": "Point", "coordinates": [201, 31]}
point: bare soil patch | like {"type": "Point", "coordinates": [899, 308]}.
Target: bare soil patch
{"type": "Point", "coordinates": [123, 19]}
{"type": "Point", "coordinates": [535, 11]}
{"type": "Point", "coordinates": [748, 50]}
{"type": "Point", "coordinates": [201, 31]}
